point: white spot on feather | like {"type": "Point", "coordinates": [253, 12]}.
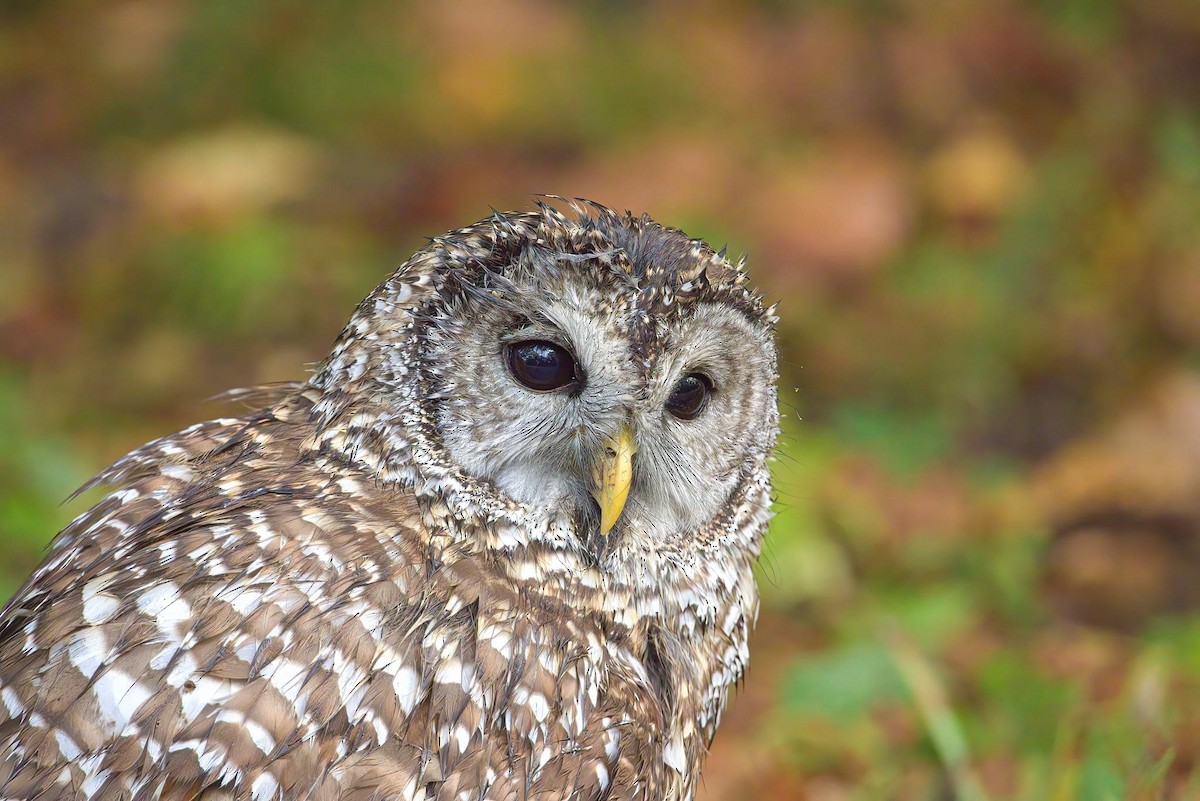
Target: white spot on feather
{"type": "Point", "coordinates": [673, 755]}
{"type": "Point", "coordinates": [206, 691]}
{"type": "Point", "coordinates": [99, 607]}
{"type": "Point", "coordinates": [462, 738]}
{"type": "Point", "coordinates": [11, 702]}
{"type": "Point", "coordinates": [66, 746]}
{"type": "Point", "coordinates": [407, 689]}
{"type": "Point", "coordinates": [243, 599]}
{"type": "Point", "coordinates": [119, 696]}
{"type": "Point", "coordinates": [612, 740]}
{"type": "Point", "coordinates": [178, 472]}
{"type": "Point", "coordinates": [87, 651]}
{"type": "Point", "coordinates": [287, 676]}
{"type": "Point", "coordinates": [539, 707]}
{"type": "Point", "coordinates": [184, 667]}
{"type": "Point", "coordinates": [164, 603]}
{"type": "Point", "coordinates": [94, 778]}
{"type": "Point", "coordinates": [264, 787]}
{"type": "Point", "coordinates": [449, 672]}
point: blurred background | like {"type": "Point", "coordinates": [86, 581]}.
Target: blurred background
{"type": "Point", "coordinates": [982, 222]}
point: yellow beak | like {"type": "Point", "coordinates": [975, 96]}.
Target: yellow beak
{"type": "Point", "coordinates": [611, 475]}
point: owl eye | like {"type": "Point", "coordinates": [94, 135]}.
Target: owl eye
{"type": "Point", "coordinates": [543, 366]}
{"type": "Point", "coordinates": [690, 396]}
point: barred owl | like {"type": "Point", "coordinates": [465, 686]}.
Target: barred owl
{"type": "Point", "coordinates": [498, 546]}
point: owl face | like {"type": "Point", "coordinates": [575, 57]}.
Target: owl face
{"type": "Point", "coordinates": [570, 386]}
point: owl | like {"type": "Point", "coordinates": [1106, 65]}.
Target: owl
{"type": "Point", "coordinates": [499, 546]}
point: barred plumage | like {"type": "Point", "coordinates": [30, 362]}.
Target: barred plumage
{"type": "Point", "coordinates": [370, 589]}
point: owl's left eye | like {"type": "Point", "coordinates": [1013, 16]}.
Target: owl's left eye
{"type": "Point", "coordinates": [690, 396]}
{"type": "Point", "coordinates": [543, 366]}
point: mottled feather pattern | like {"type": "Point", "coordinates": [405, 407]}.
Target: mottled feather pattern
{"type": "Point", "coordinates": [312, 601]}
{"type": "Point", "coordinates": [278, 663]}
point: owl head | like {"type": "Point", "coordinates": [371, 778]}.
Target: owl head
{"type": "Point", "coordinates": [606, 377]}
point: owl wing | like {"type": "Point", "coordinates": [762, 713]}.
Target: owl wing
{"type": "Point", "coordinates": [235, 620]}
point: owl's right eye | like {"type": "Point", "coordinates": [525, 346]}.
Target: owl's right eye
{"type": "Point", "coordinates": [543, 366]}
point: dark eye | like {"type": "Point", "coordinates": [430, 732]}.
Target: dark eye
{"type": "Point", "coordinates": [542, 366]}
{"type": "Point", "coordinates": [690, 396]}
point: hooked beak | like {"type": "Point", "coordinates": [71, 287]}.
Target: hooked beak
{"type": "Point", "coordinates": [611, 477]}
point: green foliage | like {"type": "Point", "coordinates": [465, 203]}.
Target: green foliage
{"type": "Point", "coordinates": [844, 684]}
{"type": "Point", "coordinates": [38, 470]}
